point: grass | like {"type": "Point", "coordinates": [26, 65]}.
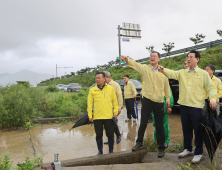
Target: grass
{"type": "Point", "coordinates": [208, 56]}
{"type": "Point", "coordinates": [151, 146]}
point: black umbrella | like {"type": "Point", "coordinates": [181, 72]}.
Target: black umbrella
{"type": "Point", "coordinates": [211, 131]}
{"type": "Point", "coordinates": [83, 120]}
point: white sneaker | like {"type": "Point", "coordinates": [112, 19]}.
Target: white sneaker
{"type": "Point", "coordinates": [197, 158]}
{"type": "Point", "coordinates": [134, 120]}
{"type": "Point", "coordinates": [127, 120]}
{"type": "Point", "coordinates": [185, 153]}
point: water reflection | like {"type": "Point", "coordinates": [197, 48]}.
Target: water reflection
{"type": "Point", "coordinates": [79, 142]}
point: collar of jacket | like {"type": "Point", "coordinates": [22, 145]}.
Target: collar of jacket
{"type": "Point", "coordinates": [196, 70]}
{"type": "Point", "coordinates": [127, 82]}
{"type": "Point", "coordinates": [110, 82]}
{"type": "Point", "coordinates": [151, 69]}
{"type": "Point", "coordinates": [97, 88]}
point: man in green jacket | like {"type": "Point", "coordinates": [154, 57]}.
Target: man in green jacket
{"type": "Point", "coordinates": [165, 120]}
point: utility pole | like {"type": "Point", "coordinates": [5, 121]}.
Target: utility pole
{"type": "Point", "coordinates": [119, 45]}
{"type": "Point", "coordinates": [60, 67]}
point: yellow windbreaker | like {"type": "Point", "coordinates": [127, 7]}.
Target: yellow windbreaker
{"type": "Point", "coordinates": [118, 92]}
{"type": "Point", "coordinates": [218, 85]}
{"type": "Point", "coordinates": [142, 89]}
{"type": "Point", "coordinates": [193, 86]}
{"type": "Point", "coordinates": [104, 102]}
{"type": "Point", "coordinates": [129, 90]}
{"type": "Point", "coordinates": [156, 86]}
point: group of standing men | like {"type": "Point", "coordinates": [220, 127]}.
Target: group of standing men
{"type": "Point", "coordinates": [195, 85]}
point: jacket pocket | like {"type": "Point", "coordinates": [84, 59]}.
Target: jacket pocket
{"type": "Point", "coordinates": [196, 98]}
{"type": "Point", "coordinates": [198, 84]}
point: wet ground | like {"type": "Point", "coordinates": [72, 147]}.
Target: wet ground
{"type": "Point", "coordinates": [80, 142]}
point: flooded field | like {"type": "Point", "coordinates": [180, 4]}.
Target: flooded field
{"type": "Point", "coordinates": [79, 142]}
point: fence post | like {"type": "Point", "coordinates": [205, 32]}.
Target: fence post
{"type": "Point", "coordinates": [210, 44]}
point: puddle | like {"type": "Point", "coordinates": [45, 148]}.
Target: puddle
{"type": "Point", "coordinates": [80, 142]}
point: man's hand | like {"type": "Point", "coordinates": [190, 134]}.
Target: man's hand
{"type": "Point", "coordinates": [167, 104]}
{"type": "Point", "coordinates": [119, 111]}
{"type": "Point", "coordinates": [124, 58]}
{"type": "Point", "coordinates": [160, 68]}
{"type": "Point", "coordinates": [213, 105]}
{"type": "Point", "coordinates": [134, 96]}
{"type": "Point", "coordinates": [91, 119]}
{"type": "Point", "coordinates": [115, 116]}
{"type": "Point", "coordinates": [169, 110]}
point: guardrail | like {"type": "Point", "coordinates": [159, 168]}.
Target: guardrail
{"type": "Point", "coordinates": [184, 50]}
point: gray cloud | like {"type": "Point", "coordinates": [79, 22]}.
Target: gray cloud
{"type": "Point", "coordinates": [36, 35]}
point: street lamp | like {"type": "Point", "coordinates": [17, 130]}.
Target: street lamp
{"type": "Point", "coordinates": [61, 67]}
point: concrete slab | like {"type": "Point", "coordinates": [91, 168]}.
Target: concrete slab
{"type": "Point", "coordinates": [52, 120]}
{"type": "Point", "coordinates": [126, 157]}
{"type": "Point", "coordinates": [141, 166]}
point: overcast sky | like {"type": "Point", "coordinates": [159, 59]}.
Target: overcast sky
{"type": "Point", "coordinates": [38, 34]}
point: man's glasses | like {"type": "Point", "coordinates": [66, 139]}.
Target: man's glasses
{"type": "Point", "coordinates": [190, 58]}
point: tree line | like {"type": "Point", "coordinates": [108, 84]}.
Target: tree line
{"type": "Point", "coordinates": [199, 38]}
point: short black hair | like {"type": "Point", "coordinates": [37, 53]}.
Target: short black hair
{"type": "Point", "coordinates": [212, 67]}
{"type": "Point", "coordinates": [197, 54]}
{"type": "Point", "coordinates": [156, 52]}
{"type": "Point", "coordinates": [103, 74]}
{"type": "Point", "coordinates": [126, 76]}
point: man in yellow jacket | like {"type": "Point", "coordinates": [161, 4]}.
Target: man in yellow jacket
{"type": "Point", "coordinates": [102, 100]}
{"type": "Point", "coordinates": [119, 96]}
{"type": "Point", "coordinates": [194, 83]}
{"type": "Point", "coordinates": [217, 84]}
{"type": "Point", "coordinates": [156, 86]}
{"type": "Point", "coordinates": [129, 95]}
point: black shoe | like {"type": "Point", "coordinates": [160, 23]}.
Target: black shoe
{"type": "Point", "coordinates": [100, 146]}
{"type": "Point", "coordinates": [150, 121]}
{"type": "Point", "coordinates": [111, 143]}
{"type": "Point", "coordinates": [106, 143]}
{"type": "Point", "coordinates": [138, 146]}
{"type": "Point", "coordinates": [161, 154]}
{"type": "Point", "coordinates": [118, 139]}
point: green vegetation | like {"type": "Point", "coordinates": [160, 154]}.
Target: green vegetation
{"type": "Point", "coordinates": [151, 146]}
{"type": "Point", "coordinates": [19, 104]}
{"type": "Point", "coordinates": [29, 164]}
{"type": "Point", "coordinates": [208, 56]}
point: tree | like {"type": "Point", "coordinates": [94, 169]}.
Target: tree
{"type": "Point", "coordinates": [73, 74]}
{"type": "Point", "coordinates": [117, 62]}
{"type": "Point", "coordinates": [150, 48]}
{"type": "Point", "coordinates": [197, 39]}
{"type": "Point", "coordinates": [219, 32]}
{"type": "Point", "coordinates": [168, 47]}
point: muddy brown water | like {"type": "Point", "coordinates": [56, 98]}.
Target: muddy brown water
{"type": "Point", "coordinates": [80, 142]}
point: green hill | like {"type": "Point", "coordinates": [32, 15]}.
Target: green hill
{"type": "Point", "coordinates": [208, 56]}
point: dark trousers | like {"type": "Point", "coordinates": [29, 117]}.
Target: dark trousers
{"type": "Point", "coordinates": [108, 125]}
{"type": "Point", "coordinates": [158, 110]}
{"type": "Point", "coordinates": [192, 116]}
{"type": "Point", "coordinates": [115, 128]}
{"type": "Point", "coordinates": [130, 108]}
